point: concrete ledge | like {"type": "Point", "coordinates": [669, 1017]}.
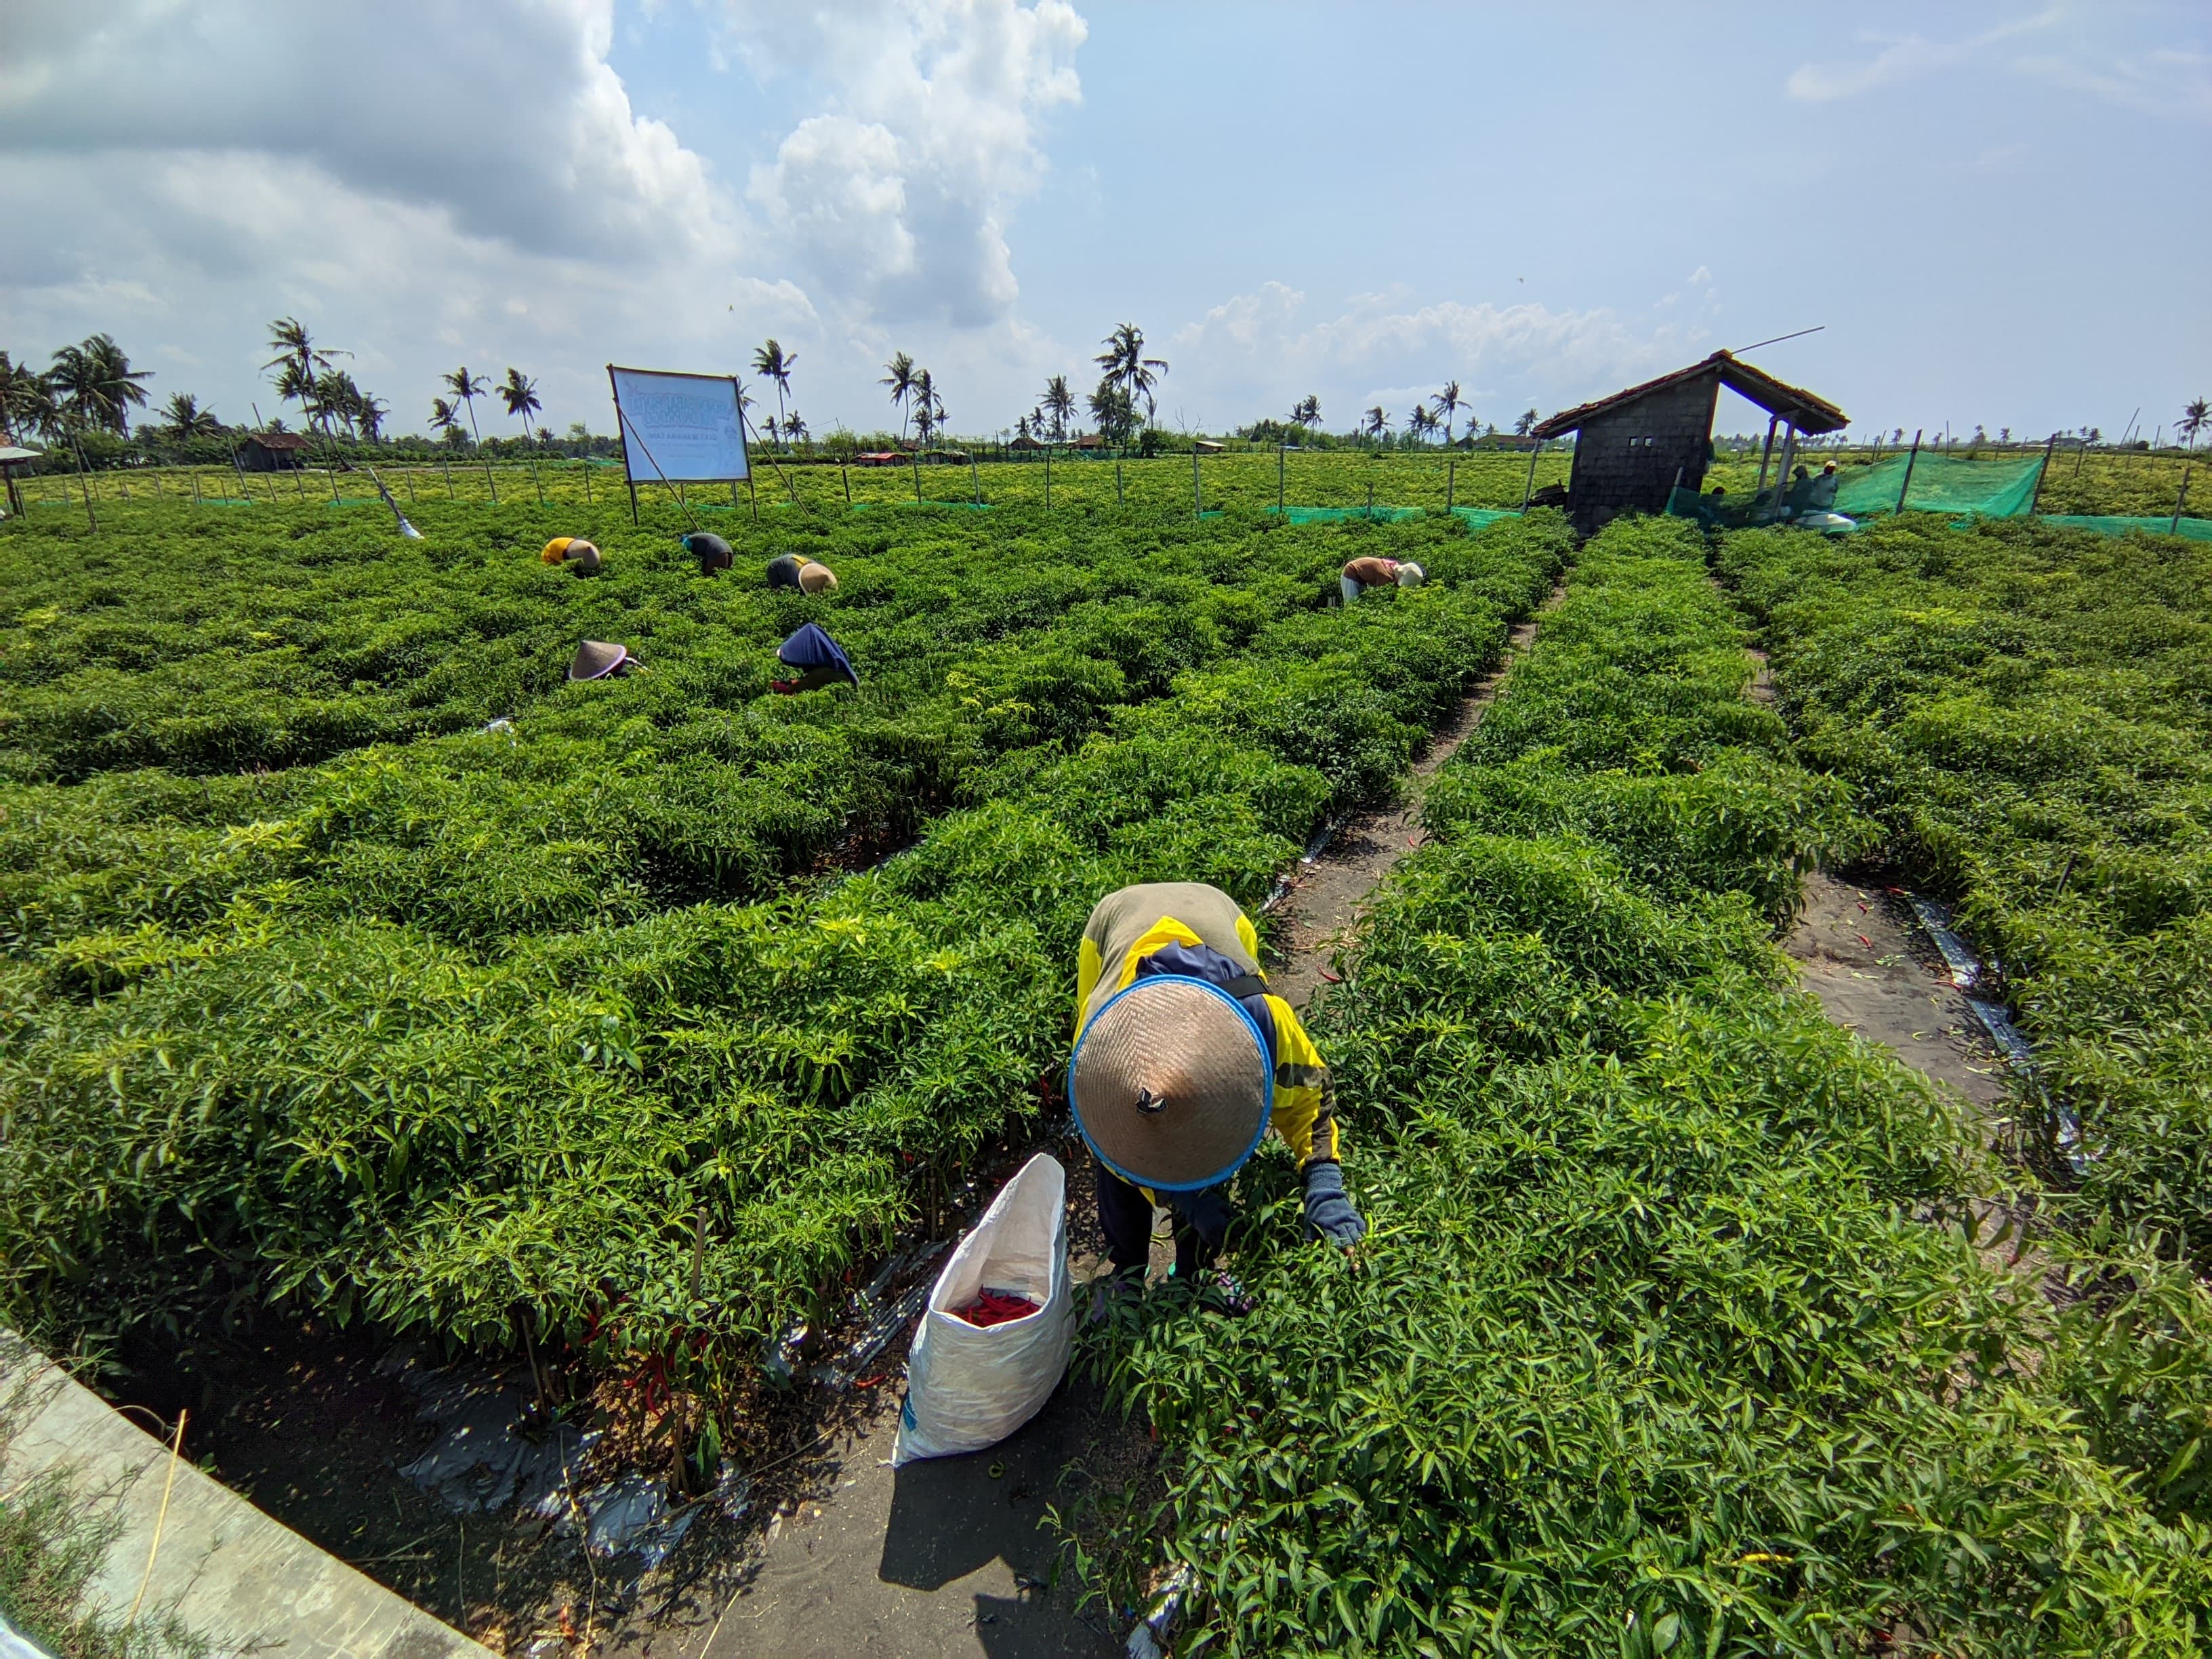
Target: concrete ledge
{"type": "Point", "coordinates": [228, 1572]}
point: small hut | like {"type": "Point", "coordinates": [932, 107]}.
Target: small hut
{"type": "Point", "coordinates": [273, 451]}
{"type": "Point", "coordinates": [1635, 448]}
{"type": "Point", "coordinates": [10, 458]}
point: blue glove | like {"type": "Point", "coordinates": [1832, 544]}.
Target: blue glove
{"type": "Point", "coordinates": [1328, 1211]}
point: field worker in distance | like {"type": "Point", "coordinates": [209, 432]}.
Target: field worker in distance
{"type": "Point", "coordinates": [1361, 575]}
{"type": "Point", "coordinates": [788, 570]}
{"type": "Point", "coordinates": [710, 549]}
{"type": "Point", "coordinates": [819, 659]}
{"type": "Point", "coordinates": [573, 551]}
{"type": "Point", "coordinates": [1183, 1061]}
{"type": "Point", "coordinates": [1820, 493]}
{"type": "Point", "coordinates": [596, 660]}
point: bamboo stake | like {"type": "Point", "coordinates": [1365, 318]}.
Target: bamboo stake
{"type": "Point", "coordinates": [1528, 487]}
{"type": "Point", "coordinates": [1905, 483]}
{"type": "Point", "coordinates": [2180, 501]}
{"type": "Point", "coordinates": [168, 1485]}
{"type": "Point", "coordinates": [2039, 472]}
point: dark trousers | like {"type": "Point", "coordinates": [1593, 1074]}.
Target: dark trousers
{"type": "Point", "coordinates": [1125, 1214]}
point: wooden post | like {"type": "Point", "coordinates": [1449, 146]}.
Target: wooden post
{"type": "Point", "coordinates": [196, 487]}
{"type": "Point", "coordinates": [299, 483]}
{"type": "Point", "coordinates": [1528, 487]}
{"type": "Point", "coordinates": [845, 477]}
{"type": "Point", "coordinates": [1371, 498]}
{"type": "Point", "coordinates": [733, 493]}
{"type": "Point", "coordinates": [975, 477]}
{"type": "Point", "coordinates": [917, 475]}
{"type": "Point", "coordinates": [2039, 472]}
{"type": "Point", "coordinates": [1048, 478]}
{"type": "Point", "coordinates": [1766, 454]}
{"type": "Point", "coordinates": [242, 489]}
{"type": "Point", "coordinates": [753, 494]}
{"type": "Point", "coordinates": [1197, 499]}
{"type": "Point", "coordinates": [409, 474]}
{"type": "Point", "coordinates": [1905, 483]}
{"type": "Point", "coordinates": [1117, 477]}
{"type": "Point", "coordinates": [84, 482]}
{"type": "Point", "coordinates": [586, 465]}
{"type": "Point", "coordinates": [1451, 478]}
{"type": "Point", "coordinates": [1282, 453]}
{"type": "Point", "coordinates": [2174, 527]}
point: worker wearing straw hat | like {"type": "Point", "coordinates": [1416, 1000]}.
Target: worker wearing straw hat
{"type": "Point", "coordinates": [1183, 1060]}
{"type": "Point", "coordinates": [789, 570]}
{"type": "Point", "coordinates": [573, 551]}
{"type": "Point", "coordinates": [1360, 574]}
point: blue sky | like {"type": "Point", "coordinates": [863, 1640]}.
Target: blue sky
{"type": "Point", "coordinates": [1998, 213]}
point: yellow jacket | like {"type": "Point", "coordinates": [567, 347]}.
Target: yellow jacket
{"type": "Point", "coordinates": [1128, 926]}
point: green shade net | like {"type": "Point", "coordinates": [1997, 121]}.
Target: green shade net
{"type": "Point", "coordinates": [1476, 517]}
{"type": "Point", "coordinates": [1330, 515]}
{"type": "Point", "coordinates": [1940, 484]}
{"type": "Point", "coordinates": [2196, 530]}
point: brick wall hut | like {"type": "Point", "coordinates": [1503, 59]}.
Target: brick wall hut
{"type": "Point", "coordinates": [1633, 448]}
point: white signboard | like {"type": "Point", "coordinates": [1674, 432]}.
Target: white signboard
{"type": "Point", "coordinates": [678, 428]}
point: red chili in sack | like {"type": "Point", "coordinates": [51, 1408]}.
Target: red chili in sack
{"type": "Point", "coordinates": [996, 1307]}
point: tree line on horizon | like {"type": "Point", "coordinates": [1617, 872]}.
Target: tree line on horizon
{"type": "Point", "coordinates": [86, 396]}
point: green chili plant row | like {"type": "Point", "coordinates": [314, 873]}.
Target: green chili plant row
{"type": "Point", "coordinates": [1670, 1337]}
{"type": "Point", "coordinates": [235, 1066]}
{"type": "Point", "coordinates": [2027, 713]}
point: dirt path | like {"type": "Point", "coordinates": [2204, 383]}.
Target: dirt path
{"type": "Point", "coordinates": [952, 1557]}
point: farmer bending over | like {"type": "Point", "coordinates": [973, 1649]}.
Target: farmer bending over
{"type": "Point", "coordinates": [1183, 1061]}
{"type": "Point", "coordinates": [1361, 575]}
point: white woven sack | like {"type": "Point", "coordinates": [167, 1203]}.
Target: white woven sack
{"type": "Point", "coordinates": [966, 1386]}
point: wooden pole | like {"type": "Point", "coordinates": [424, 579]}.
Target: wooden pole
{"type": "Point", "coordinates": [242, 489]}
{"type": "Point", "coordinates": [1282, 453]}
{"type": "Point", "coordinates": [845, 477]}
{"type": "Point", "coordinates": [753, 494]}
{"type": "Point", "coordinates": [975, 477]}
{"type": "Point", "coordinates": [586, 465]}
{"type": "Point", "coordinates": [446, 462]}
{"type": "Point", "coordinates": [2174, 527]}
{"type": "Point", "coordinates": [1197, 500]}
{"type": "Point", "coordinates": [2040, 473]}
{"type": "Point", "coordinates": [1528, 486]}
{"type": "Point", "coordinates": [1766, 454]}
{"type": "Point", "coordinates": [1905, 483]}
{"type": "Point", "coordinates": [1048, 478]}
{"type": "Point", "coordinates": [1371, 498]}
{"type": "Point", "coordinates": [1451, 478]}
{"type": "Point", "coordinates": [1117, 477]}
{"type": "Point", "coordinates": [84, 482]}
{"type": "Point", "coordinates": [299, 483]}
{"type": "Point", "coordinates": [196, 487]}
{"type": "Point", "coordinates": [408, 472]}
{"type": "Point", "coordinates": [917, 475]}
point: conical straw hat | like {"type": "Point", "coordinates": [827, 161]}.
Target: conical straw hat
{"type": "Point", "coordinates": [595, 659]}
{"type": "Point", "coordinates": [1171, 1085]}
{"type": "Point", "coordinates": [583, 556]}
{"type": "Point", "coordinates": [816, 578]}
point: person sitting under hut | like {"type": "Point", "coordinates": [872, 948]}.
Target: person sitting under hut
{"type": "Point", "coordinates": [1183, 1061]}
{"type": "Point", "coordinates": [1360, 574]}
{"type": "Point", "coordinates": [1820, 493]}
{"type": "Point", "coordinates": [818, 657]}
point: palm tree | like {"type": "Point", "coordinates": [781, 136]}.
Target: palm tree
{"type": "Point", "coordinates": [1127, 366]}
{"type": "Point", "coordinates": [27, 400]}
{"type": "Point", "coordinates": [369, 414]}
{"type": "Point", "coordinates": [95, 385]}
{"type": "Point", "coordinates": [1378, 425]}
{"type": "Point", "coordinates": [336, 399]}
{"type": "Point", "coordinates": [774, 363]}
{"type": "Point", "coordinates": [468, 388]}
{"type": "Point", "coordinates": [519, 394]}
{"type": "Point", "coordinates": [185, 417]}
{"type": "Point", "coordinates": [298, 361]}
{"type": "Point", "coordinates": [1306, 412]}
{"type": "Point", "coordinates": [928, 407]}
{"type": "Point", "coordinates": [1421, 423]}
{"type": "Point", "coordinates": [1060, 402]}
{"type": "Point", "coordinates": [1449, 406]}
{"type": "Point", "coordinates": [2196, 416]}
{"type": "Point", "coordinates": [794, 428]}
{"type": "Point", "coordinates": [1113, 411]}
{"type": "Point", "coordinates": [898, 375]}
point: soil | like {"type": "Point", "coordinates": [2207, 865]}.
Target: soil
{"type": "Point", "coordinates": [1860, 951]}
